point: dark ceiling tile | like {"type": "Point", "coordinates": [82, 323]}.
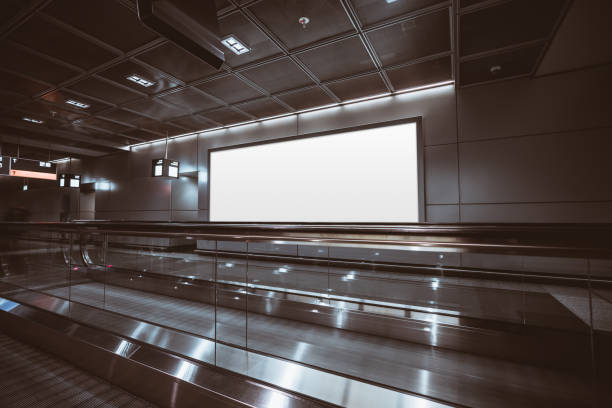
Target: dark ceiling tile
{"type": "Point", "coordinates": [263, 108]}
{"type": "Point", "coordinates": [467, 3]}
{"type": "Point", "coordinates": [424, 73]}
{"type": "Point", "coordinates": [51, 111]}
{"type": "Point", "coordinates": [104, 124]}
{"type": "Point", "coordinates": [159, 127]}
{"type": "Point", "coordinates": [19, 60]}
{"type": "Point", "coordinates": [366, 85]}
{"type": "Point", "coordinates": [336, 60]}
{"type": "Point", "coordinates": [508, 23]}
{"type": "Point", "coordinates": [11, 8]}
{"type": "Point", "coordinates": [191, 100]}
{"type": "Point", "coordinates": [194, 122]}
{"type": "Point", "coordinates": [412, 39]}
{"type": "Point", "coordinates": [9, 99]}
{"type": "Point", "coordinates": [514, 63]}
{"type": "Point", "coordinates": [120, 72]}
{"type": "Point", "coordinates": [61, 97]}
{"type": "Point", "coordinates": [259, 44]}
{"type": "Point", "coordinates": [154, 109]}
{"type": "Point", "coordinates": [103, 90]}
{"type": "Point", "coordinates": [49, 39]}
{"type": "Point", "coordinates": [141, 134]}
{"type": "Point", "coordinates": [226, 116]}
{"type": "Point", "coordinates": [327, 18]}
{"type": "Point", "coordinates": [121, 115]}
{"type": "Point", "coordinates": [306, 98]}
{"type": "Point", "coordinates": [222, 5]}
{"type": "Point", "coordinates": [279, 75]}
{"type": "Point", "coordinates": [229, 89]}
{"type": "Point", "coordinates": [13, 83]}
{"type": "Point", "coordinates": [371, 12]}
{"type": "Point", "coordinates": [177, 62]}
{"type": "Point", "coordinates": [106, 20]}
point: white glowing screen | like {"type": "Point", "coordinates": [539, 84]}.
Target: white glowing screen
{"type": "Point", "coordinates": [368, 175]}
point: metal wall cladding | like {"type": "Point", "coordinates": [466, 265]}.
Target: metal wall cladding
{"type": "Point", "coordinates": [185, 194]}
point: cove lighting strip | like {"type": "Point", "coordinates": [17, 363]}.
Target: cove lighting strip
{"type": "Point", "coordinates": [332, 105]}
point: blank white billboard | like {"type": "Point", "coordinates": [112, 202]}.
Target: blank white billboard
{"type": "Point", "coordinates": [366, 175]}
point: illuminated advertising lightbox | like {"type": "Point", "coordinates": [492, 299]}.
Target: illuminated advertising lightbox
{"type": "Point", "coordinates": [69, 180]}
{"type": "Point", "coordinates": [165, 168]}
{"type": "Point", "coordinates": [32, 169]}
{"type": "Point", "coordinates": [5, 165]}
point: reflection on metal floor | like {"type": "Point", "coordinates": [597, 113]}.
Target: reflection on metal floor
{"type": "Point", "coordinates": [31, 378]}
{"type": "Point", "coordinates": [438, 373]}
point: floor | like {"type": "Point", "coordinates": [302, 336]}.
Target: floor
{"type": "Point", "coordinates": [30, 378]}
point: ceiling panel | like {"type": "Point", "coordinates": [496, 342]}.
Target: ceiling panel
{"type": "Point", "coordinates": [46, 111]}
{"type": "Point", "coordinates": [154, 109]}
{"type": "Point", "coordinates": [229, 89]}
{"type": "Point", "coordinates": [338, 59]}
{"type": "Point", "coordinates": [194, 122]}
{"type": "Point", "coordinates": [120, 72]}
{"type": "Point", "coordinates": [259, 44]}
{"type": "Point", "coordinates": [106, 20]}
{"type": "Point", "coordinates": [358, 87]}
{"type": "Point", "coordinates": [374, 11]}
{"type": "Point", "coordinates": [424, 73]}
{"type": "Point", "coordinates": [412, 39]}
{"type": "Point", "coordinates": [190, 100]}
{"type": "Point", "coordinates": [49, 39]}
{"type": "Point", "coordinates": [9, 99]}
{"type": "Point", "coordinates": [121, 115]}
{"type": "Point", "coordinates": [518, 62]}
{"type": "Point", "coordinates": [226, 116]}
{"type": "Point", "coordinates": [11, 8]}
{"type": "Point", "coordinates": [14, 83]}
{"type": "Point", "coordinates": [104, 124]}
{"type": "Point", "coordinates": [327, 18]}
{"type": "Point", "coordinates": [177, 62]}
{"type": "Point", "coordinates": [159, 127]}
{"type": "Point", "coordinates": [19, 60]}
{"type": "Point", "coordinates": [141, 134]}
{"type": "Point", "coordinates": [508, 23]}
{"type": "Point", "coordinates": [103, 90]}
{"type": "Point", "coordinates": [262, 108]}
{"type": "Point", "coordinates": [306, 98]}
{"type": "Point", "coordinates": [60, 97]}
{"type": "Point", "coordinates": [278, 76]}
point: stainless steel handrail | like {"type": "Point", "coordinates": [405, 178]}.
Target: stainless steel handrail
{"type": "Point", "coordinates": [584, 240]}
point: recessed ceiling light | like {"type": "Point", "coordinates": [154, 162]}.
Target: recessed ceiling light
{"type": "Point", "coordinates": [78, 104]}
{"type": "Point", "coordinates": [140, 80]}
{"type": "Point", "coordinates": [38, 122]}
{"type": "Point", "coordinates": [235, 45]}
{"type": "Point", "coordinates": [391, 1]}
{"type": "Point", "coordinates": [495, 68]}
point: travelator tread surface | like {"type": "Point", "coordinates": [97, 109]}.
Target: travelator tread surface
{"type": "Point", "coordinates": [31, 378]}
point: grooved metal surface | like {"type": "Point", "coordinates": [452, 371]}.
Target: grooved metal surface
{"type": "Point", "coordinates": [31, 378]}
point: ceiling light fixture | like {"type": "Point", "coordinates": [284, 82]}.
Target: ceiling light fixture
{"type": "Point", "coordinates": [140, 80]}
{"type": "Point", "coordinates": [495, 68]}
{"type": "Point", "coordinates": [81, 105]}
{"type": "Point", "coordinates": [235, 45]}
{"type": "Point", "coordinates": [304, 21]}
{"type": "Point", "coordinates": [391, 1]}
{"type": "Point", "coordinates": [38, 122]}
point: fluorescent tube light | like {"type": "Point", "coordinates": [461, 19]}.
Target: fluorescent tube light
{"type": "Point", "coordinates": [78, 104]}
{"type": "Point", "coordinates": [140, 80]}
{"type": "Point", "coordinates": [235, 45]}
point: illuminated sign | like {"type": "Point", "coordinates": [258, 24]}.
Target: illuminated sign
{"type": "Point", "coordinates": [32, 169]}
{"type": "Point", "coordinates": [165, 168]}
{"type": "Point", "coordinates": [69, 180]}
{"type": "Point", "coordinates": [5, 165]}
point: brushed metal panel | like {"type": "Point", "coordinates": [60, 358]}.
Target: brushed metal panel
{"type": "Point", "coordinates": [572, 166]}
{"type": "Point", "coordinates": [538, 212]}
{"type": "Point", "coordinates": [442, 213]}
{"type": "Point", "coordinates": [140, 158]}
{"type": "Point", "coordinates": [436, 106]}
{"type": "Point", "coordinates": [184, 194]}
{"type": "Point", "coordinates": [112, 166]}
{"type": "Point", "coordinates": [441, 179]}
{"type": "Point", "coordinates": [574, 100]}
{"type": "Point", "coordinates": [185, 150]}
{"type": "Point", "coordinates": [398, 256]}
